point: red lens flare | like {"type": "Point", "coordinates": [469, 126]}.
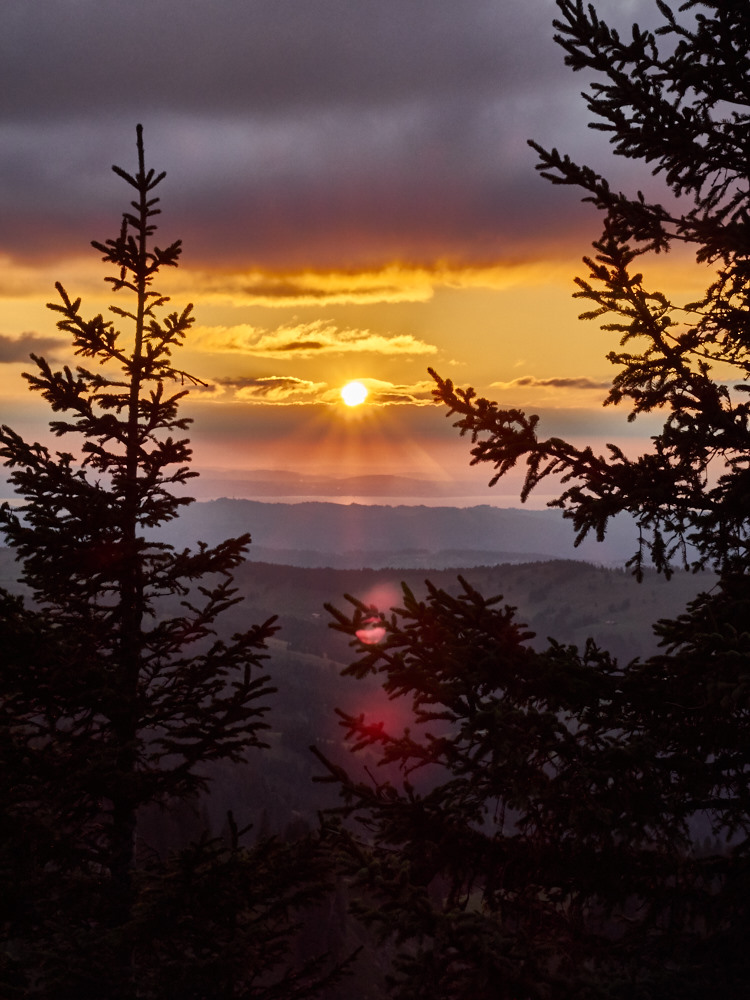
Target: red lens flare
{"type": "Point", "coordinates": [372, 631]}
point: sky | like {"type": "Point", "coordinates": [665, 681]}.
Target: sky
{"type": "Point", "coordinates": [357, 200]}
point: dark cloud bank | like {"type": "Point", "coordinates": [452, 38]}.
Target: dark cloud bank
{"type": "Point", "coordinates": [305, 133]}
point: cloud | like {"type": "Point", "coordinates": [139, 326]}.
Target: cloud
{"type": "Point", "coordinates": [279, 390]}
{"type": "Point", "coordinates": [262, 58]}
{"type": "Point", "coordinates": [560, 382]}
{"type": "Point", "coordinates": [286, 390]}
{"type": "Point", "coordinates": [395, 283]}
{"type": "Point", "coordinates": [323, 134]}
{"type": "Point", "coordinates": [382, 393]}
{"type": "Point", "coordinates": [305, 340]}
{"type": "Point", "coordinates": [304, 135]}
{"type": "Point", "coordinates": [362, 200]}
{"type": "Point", "coordinates": [402, 282]}
{"type": "Point", "coordinates": [15, 349]}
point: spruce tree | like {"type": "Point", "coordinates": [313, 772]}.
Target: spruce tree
{"type": "Point", "coordinates": [555, 823]}
{"type": "Point", "coordinates": [117, 690]}
{"type": "Point", "coordinates": [685, 111]}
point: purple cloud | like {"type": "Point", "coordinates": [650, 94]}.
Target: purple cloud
{"type": "Point", "coordinates": [15, 349]}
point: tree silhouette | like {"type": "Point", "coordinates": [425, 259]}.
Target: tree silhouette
{"type": "Point", "coordinates": [684, 112]}
{"type": "Point", "coordinates": [536, 831]}
{"type": "Point", "coordinates": [117, 690]}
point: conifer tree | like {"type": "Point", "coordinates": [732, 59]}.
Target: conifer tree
{"type": "Point", "coordinates": [535, 830]}
{"type": "Point", "coordinates": [117, 690]}
{"type": "Point", "coordinates": [685, 111]}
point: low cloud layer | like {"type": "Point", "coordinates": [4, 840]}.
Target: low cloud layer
{"type": "Point", "coordinates": [392, 283]}
{"type": "Point", "coordinates": [391, 394]}
{"type": "Point", "coordinates": [277, 390]}
{"type": "Point", "coordinates": [285, 390]}
{"type": "Point", "coordinates": [560, 382]}
{"type": "Point", "coordinates": [305, 340]}
{"type": "Point", "coordinates": [18, 349]}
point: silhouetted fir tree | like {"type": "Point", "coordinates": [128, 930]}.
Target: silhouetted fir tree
{"type": "Point", "coordinates": [111, 699]}
{"type": "Point", "coordinates": [536, 831]}
{"type": "Point", "coordinates": [685, 113]}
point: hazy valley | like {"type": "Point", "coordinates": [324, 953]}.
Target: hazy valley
{"type": "Point", "coordinates": [318, 533]}
{"type": "Point", "coordinates": [308, 554]}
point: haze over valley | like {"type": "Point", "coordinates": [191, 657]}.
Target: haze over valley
{"type": "Point", "coordinates": [354, 535]}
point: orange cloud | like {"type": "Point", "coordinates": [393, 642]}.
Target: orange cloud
{"type": "Point", "coordinates": [278, 390]}
{"type": "Point", "coordinates": [79, 273]}
{"type": "Point", "coordinates": [308, 288]}
{"type": "Point", "coordinates": [383, 393]}
{"type": "Point", "coordinates": [396, 282]}
{"type": "Point", "coordinates": [287, 390]}
{"type": "Point", "coordinates": [305, 340]}
{"type": "Point", "coordinates": [560, 382]}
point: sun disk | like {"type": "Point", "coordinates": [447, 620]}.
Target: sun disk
{"type": "Point", "coordinates": [354, 393]}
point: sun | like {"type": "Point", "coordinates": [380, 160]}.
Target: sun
{"type": "Point", "coordinates": [354, 393]}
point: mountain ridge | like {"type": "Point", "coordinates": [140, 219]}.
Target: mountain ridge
{"type": "Point", "coordinates": [431, 536]}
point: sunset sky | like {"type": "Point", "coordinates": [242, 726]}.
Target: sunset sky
{"type": "Point", "coordinates": [357, 200]}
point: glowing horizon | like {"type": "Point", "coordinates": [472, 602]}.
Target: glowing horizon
{"type": "Point", "coordinates": [328, 231]}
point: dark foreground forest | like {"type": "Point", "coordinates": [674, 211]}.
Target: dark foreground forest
{"type": "Point", "coordinates": [277, 795]}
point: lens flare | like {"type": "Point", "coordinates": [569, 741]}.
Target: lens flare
{"type": "Point", "coordinates": [372, 632]}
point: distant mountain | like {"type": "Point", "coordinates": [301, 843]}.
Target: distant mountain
{"type": "Point", "coordinates": [352, 535]}
{"type": "Point", "coordinates": [261, 483]}
{"type": "Point", "coordinates": [265, 484]}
